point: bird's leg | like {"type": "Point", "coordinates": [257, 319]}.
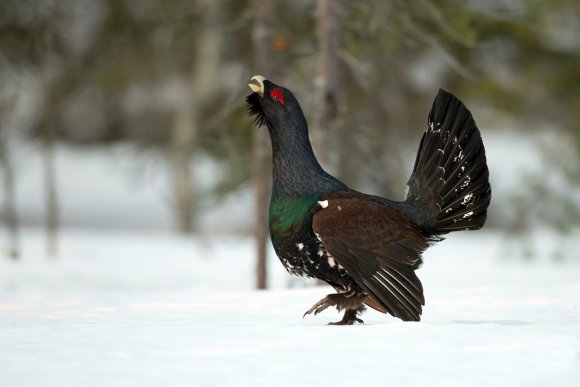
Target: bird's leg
{"type": "Point", "coordinates": [352, 302]}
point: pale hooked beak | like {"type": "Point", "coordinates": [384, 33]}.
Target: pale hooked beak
{"type": "Point", "coordinates": [257, 84]}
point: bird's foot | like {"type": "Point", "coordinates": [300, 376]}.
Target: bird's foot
{"type": "Point", "coordinates": [349, 318]}
{"type": "Point", "coordinates": [352, 304]}
{"type": "Point", "coordinates": [329, 300]}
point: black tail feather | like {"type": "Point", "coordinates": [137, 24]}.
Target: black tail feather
{"type": "Point", "coordinates": [450, 180]}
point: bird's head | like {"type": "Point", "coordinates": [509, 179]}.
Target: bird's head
{"type": "Point", "coordinates": [296, 172]}
{"type": "Point", "coordinates": [273, 105]}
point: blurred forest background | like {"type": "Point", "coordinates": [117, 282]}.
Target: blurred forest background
{"type": "Point", "coordinates": [160, 85]}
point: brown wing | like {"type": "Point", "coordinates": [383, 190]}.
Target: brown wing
{"type": "Point", "coordinates": [378, 246]}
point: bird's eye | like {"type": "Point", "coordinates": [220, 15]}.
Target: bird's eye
{"type": "Point", "coordinates": [277, 96]}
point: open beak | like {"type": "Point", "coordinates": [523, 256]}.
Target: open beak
{"type": "Point", "coordinates": [257, 84]}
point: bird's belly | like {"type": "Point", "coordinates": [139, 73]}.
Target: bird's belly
{"type": "Point", "coordinates": [307, 257]}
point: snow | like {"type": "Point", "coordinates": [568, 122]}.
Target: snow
{"type": "Point", "coordinates": [148, 308]}
{"type": "Point", "coordinates": [151, 309]}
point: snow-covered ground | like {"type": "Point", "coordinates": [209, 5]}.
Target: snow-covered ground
{"type": "Point", "coordinates": [150, 309]}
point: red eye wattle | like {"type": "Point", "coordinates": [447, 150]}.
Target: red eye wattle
{"type": "Point", "coordinates": [277, 96]}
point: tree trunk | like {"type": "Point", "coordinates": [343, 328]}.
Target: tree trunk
{"type": "Point", "coordinates": [182, 138]}
{"type": "Point", "coordinates": [50, 199]}
{"type": "Point", "coordinates": [260, 161]}
{"type": "Point", "coordinates": [326, 82]}
{"type": "Point", "coordinates": [10, 211]}
{"type": "Point", "coordinates": [187, 116]}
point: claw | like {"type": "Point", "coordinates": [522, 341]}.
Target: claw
{"type": "Point", "coordinates": [338, 300]}
{"type": "Point", "coordinates": [349, 322]}
{"type": "Point", "coordinates": [319, 306]}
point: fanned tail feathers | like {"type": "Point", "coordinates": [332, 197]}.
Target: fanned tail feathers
{"type": "Point", "coordinates": [450, 180]}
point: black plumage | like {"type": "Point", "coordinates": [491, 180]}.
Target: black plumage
{"type": "Point", "coordinates": [368, 247]}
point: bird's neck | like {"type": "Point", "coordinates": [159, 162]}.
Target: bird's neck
{"type": "Point", "coordinates": [296, 171]}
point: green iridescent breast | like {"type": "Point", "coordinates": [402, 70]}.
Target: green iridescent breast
{"type": "Point", "coordinates": [290, 215]}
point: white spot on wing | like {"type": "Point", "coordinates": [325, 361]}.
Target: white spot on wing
{"type": "Point", "coordinates": [467, 199]}
{"type": "Point", "coordinates": [331, 262]}
{"type": "Point", "coordinates": [323, 203]}
{"type": "Point", "coordinates": [300, 246]}
{"type": "Point", "coordinates": [466, 182]}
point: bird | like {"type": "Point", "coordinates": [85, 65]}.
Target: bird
{"type": "Point", "coordinates": [365, 246]}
